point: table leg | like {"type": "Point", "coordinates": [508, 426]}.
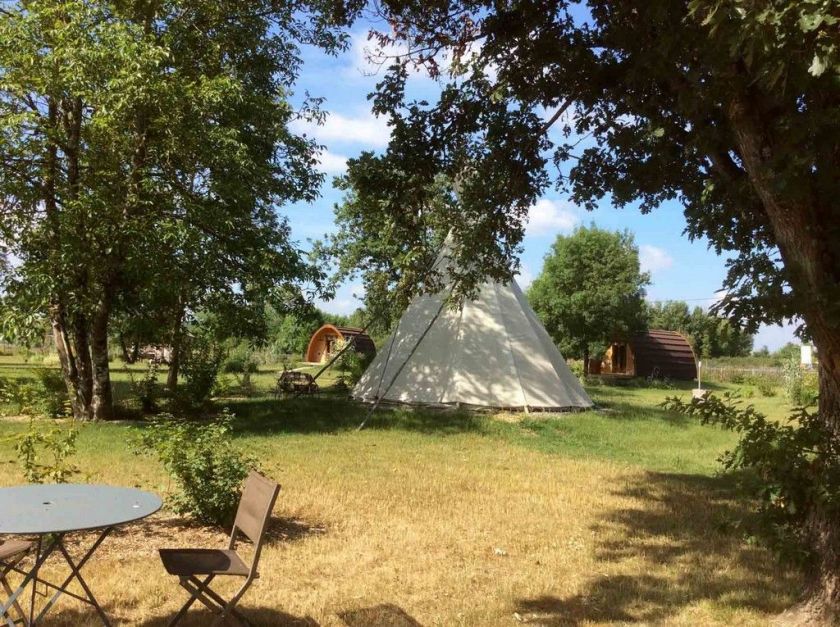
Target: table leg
{"type": "Point", "coordinates": [38, 547]}
{"type": "Point", "coordinates": [75, 573]}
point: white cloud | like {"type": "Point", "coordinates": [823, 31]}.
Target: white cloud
{"type": "Point", "coordinates": [548, 216]}
{"type": "Point", "coordinates": [331, 163]}
{"type": "Point", "coordinates": [365, 129]}
{"type": "Point", "coordinates": [369, 58]}
{"type": "Point", "coordinates": [524, 277]}
{"type": "Point", "coordinates": [366, 54]}
{"type": "Point", "coordinates": [654, 259]}
{"type": "Point", "coordinates": [347, 299]}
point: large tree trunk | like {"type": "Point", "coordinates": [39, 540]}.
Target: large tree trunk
{"type": "Point", "coordinates": [84, 367]}
{"type": "Point", "coordinates": [824, 530]}
{"type": "Point", "coordinates": [812, 261]}
{"type": "Point", "coordinates": [67, 361]}
{"type": "Point", "coordinates": [177, 349]}
{"type": "Point", "coordinates": [103, 400]}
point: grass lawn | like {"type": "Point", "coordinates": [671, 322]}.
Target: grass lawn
{"type": "Point", "coordinates": [456, 519]}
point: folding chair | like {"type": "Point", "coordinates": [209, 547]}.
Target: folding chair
{"type": "Point", "coordinates": [11, 553]}
{"type": "Point", "coordinates": [196, 568]}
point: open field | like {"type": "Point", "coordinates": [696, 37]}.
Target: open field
{"type": "Point", "coordinates": [457, 519]}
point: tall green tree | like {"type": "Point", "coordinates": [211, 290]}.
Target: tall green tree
{"type": "Point", "coordinates": [144, 148]}
{"type": "Point", "coordinates": [730, 107]}
{"type": "Point", "coordinates": [590, 291]}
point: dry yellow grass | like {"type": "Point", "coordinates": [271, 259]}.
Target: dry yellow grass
{"type": "Point", "coordinates": [459, 530]}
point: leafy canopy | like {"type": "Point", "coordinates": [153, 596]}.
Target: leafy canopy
{"type": "Point", "coordinates": [632, 103]}
{"type": "Point", "coordinates": [590, 291]}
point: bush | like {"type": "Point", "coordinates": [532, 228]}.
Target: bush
{"type": "Point", "coordinates": [201, 459]}
{"type": "Point", "coordinates": [766, 387]}
{"type": "Point", "coordinates": [50, 393]}
{"type": "Point", "coordinates": [199, 367]}
{"type": "Point", "coordinates": [351, 364]}
{"type": "Point", "coordinates": [792, 466]}
{"type": "Point", "coordinates": [240, 360]}
{"type": "Point", "coordinates": [801, 386]}
{"type": "Point", "coordinates": [147, 391]}
{"type": "Point", "coordinates": [44, 454]}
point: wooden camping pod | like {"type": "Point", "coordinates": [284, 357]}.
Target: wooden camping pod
{"type": "Point", "coordinates": [326, 340]}
{"type": "Point", "coordinates": [656, 353]}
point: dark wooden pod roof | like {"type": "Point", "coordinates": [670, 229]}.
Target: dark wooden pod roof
{"type": "Point", "coordinates": [362, 343]}
{"type": "Point", "coordinates": [663, 353]}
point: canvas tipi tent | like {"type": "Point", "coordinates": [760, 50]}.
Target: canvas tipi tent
{"type": "Point", "coordinates": [492, 352]}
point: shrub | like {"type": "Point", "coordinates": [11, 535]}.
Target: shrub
{"type": "Point", "coordinates": [225, 386]}
{"type": "Point", "coordinates": [801, 386]}
{"type": "Point", "coordinates": [240, 360]}
{"type": "Point", "coordinates": [200, 457]}
{"type": "Point", "coordinates": [147, 390]}
{"type": "Point", "coordinates": [199, 367]}
{"type": "Point", "coordinates": [352, 365]}
{"type": "Point", "coordinates": [50, 393]}
{"type": "Point", "coordinates": [793, 380]}
{"type": "Point", "coordinates": [45, 454]}
{"type": "Point", "coordinates": [8, 391]}
{"type": "Point", "coordinates": [765, 387]}
{"type": "Point", "coordinates": [810, 388]}
{"type": "Point", "coordinates": [18, 394]}
{"type": "Point", "coordinates": [659, 383]}
{"type": "Point", "coordinates": [791, 466]}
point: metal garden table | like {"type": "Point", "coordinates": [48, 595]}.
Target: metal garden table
{"type": "Point", "coordinates": [50, 512]}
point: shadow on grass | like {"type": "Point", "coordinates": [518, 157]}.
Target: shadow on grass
{"type": "Point", "coordinates": [332, 414]}
{"type": "Point", "coordinates": [382, 615]}
{"type": "Point", "coordinates": [196, 617]}
{"type": "Point", "coordinates": [678, 537]}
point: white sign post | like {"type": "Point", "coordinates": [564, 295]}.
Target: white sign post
{"type": "Point", "coordinates": [698, 392]}
{"type": "Point", "coordinates": [806, 355]}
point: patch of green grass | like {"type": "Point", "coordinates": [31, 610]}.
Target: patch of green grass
{"type": "Point", "coordinates": [629, 428]}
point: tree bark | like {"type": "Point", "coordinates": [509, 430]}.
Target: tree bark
{"type": "Point", "coordinates": [127, 357]}
{"type": "Point", "coordinates": [66, 361]}
{"type": "Point", "coordinates": [102, 407]}
{"type": "Point", "coordinates": [175, 359]}
{"type": "Point", "coordinates": [813, 264]}
{"type": "Point", "coordinates": [84, 367]}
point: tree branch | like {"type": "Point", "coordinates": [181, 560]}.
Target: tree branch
{"type": "Point", "coordinates": [556, 116]}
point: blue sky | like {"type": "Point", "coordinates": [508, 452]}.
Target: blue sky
{"type": "Point", "coordinates": [680, 269]}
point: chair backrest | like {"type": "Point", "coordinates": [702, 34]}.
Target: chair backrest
{"type": "Point", "coordinates": [258, 497]}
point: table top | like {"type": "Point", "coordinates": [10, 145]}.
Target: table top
{"type": "Point", "coordinates": [59, 508]}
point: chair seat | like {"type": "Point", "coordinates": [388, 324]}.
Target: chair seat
{"type": "Point", "coordinates": [13, 547]}
{"type": "Point", "coordinates": [186, 562]}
